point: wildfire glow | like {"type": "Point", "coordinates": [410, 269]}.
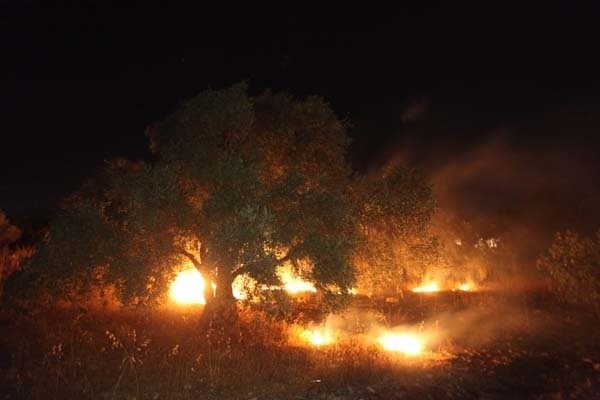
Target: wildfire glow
{"type": "Point", "coordinates": [188, 288]}
{"type": "Point", "coordinates": [405, 343]}
{"type": "Point", "coordinates": [465, 287]}
{"type": "Point", "coordinates": [293, 284]}
{"type": "Point", "coordinates": [431, 287]}
{"type": "Point", "coordinates": [317, 337]}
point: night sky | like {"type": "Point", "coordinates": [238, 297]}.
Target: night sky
{"type": "Point", "coordinates": [463, 91]}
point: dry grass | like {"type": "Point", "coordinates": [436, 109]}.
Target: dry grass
{"type": "Point", "coordinates": [64, 354]}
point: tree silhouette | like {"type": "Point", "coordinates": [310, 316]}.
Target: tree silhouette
{"type": "Point", "coordinates": [240, 185]}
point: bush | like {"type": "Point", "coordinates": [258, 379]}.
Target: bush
{"type": "Point", "coordinates": [573, 265]}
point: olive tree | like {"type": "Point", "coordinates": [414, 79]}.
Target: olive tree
{"type": "Point", "coordinates": [238, 185]}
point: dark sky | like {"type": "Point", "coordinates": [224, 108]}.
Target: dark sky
{"type": "Point", "coordinates": [427, 84]}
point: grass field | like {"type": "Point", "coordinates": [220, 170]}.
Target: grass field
{"type": "Point", "coordinates": [478, 346]}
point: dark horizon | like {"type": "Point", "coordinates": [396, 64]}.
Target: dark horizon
{"type": "Point", "coordinates": [436, 87]}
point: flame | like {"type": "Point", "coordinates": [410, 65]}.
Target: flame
{"type": "Point", "coordinates": [430, 287]}
{"type": "Point", "coordinates": [188, 287]}
{"type": "Point", "coordinates": [293, 284]}
{"type": "Point", "coordinates": [317, 337]}
{"type": "Point", "coordinates": [243, 286]}
{"type": "Point", "coordinates": [405, 343]}
{"type": "Point", "coordinates": [465, 287]}
{"type": "Point", "coordinates": [298, 286]}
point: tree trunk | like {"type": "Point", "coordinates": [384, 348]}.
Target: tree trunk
{"type": "Point", "coordinates": [208, 290]}
{"type": "Point", "coordinates": [220, 309]}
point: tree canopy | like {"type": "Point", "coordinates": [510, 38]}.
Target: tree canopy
{"type": "Point", "coordinates": [239, 185]}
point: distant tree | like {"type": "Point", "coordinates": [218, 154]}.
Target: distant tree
{"type": "Point", "coordinates": [240, 186]}
{"type": "Point", "coordinates": [393, 207]}
{"type": "Point", "coordinates": [573, 264]}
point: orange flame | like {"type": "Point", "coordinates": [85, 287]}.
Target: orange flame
{"type": "Point", "coordinates": [317, 337]}
{"type": "Point", "coordinates": [188, 287]}
{"type": "Point", "coordinates": [428, 288]}
{"type": "Point", "coordinates": [292, 283]}
{"type": "Point", "coordinates": [405, 343]}
{"type": "Point", "coordinates": [465, 287]}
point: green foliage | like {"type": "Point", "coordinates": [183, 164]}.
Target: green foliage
{"type": "Point", "coordinates": [573, 264]}
{"type": "Point", "coordinates": [115, 232]}
{"type": "Point", "coordinates": [241, 186]}
{"type": "Point", "coordinates": [394, 210]}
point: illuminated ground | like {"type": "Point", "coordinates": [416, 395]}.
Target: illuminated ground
{"type": "Point", "coordinates": [481, 351]}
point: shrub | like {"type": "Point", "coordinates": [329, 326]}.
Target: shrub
{"type": "Point", "coordinates": [573, 265]}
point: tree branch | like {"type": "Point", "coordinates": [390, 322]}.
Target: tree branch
{"type": "Point", "coordinates": [192, 258]}
{"type": "Point", "coordinates": [245, 268]}
{"type": "Point", "coordinates": [285, 258]}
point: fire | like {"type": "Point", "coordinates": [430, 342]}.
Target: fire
{"type": "Point", "coordinates": [298, 286]}
{"type": "Point", "coordinates": [317, 337]}
{"type": "Point", "coordinates": [405, 343]}
{"type": "Point", "coordinates": [242, 284]}
{"type": "Point", "coordinates": [293, 284]}
{"type": "Point", "coordinates": [431, 287]}
{"type": "Point", "coordinates": [465, 287]}
{"type": "Point", "coordinates": [188, 288]}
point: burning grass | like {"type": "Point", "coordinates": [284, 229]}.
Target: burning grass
{"type": "Point", "coordinates": [434, 287]}
{"type": "Point", "coordinates": [126, 354]}
{"type": "Point", "coordinates": [405, 343]}
{"type": "Point", "coordinates": [316, 336]}
{"type": "Point", "coordinates": [427, 288]}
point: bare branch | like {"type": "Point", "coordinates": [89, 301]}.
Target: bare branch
{"type": "Point", "coordinates": [245, 268]}
{"type": "Point", "coordinates": [192, 258]}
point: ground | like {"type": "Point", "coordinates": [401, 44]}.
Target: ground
{"type": "Point", "coordinates": [486, 346]}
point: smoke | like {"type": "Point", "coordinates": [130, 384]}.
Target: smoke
{"type": "Point", "coordinates": [355, 320]}
{"type": "Point", "coordinates": [476, 326]}
{"type": "Point", "coordinates": [479, 326]}
{"type": "Point", "coordinates": [516, 178]}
